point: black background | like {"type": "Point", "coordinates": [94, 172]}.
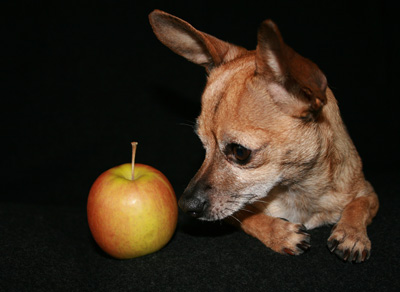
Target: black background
{"type": "Point", "coordinates": [83, 79]}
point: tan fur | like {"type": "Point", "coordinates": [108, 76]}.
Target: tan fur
{"type": "Point", "coordinates": [302, 166]}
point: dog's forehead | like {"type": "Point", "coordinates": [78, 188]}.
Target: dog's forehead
{"type": "Point", "coordinates": [229, 108]}
{"type": "Point", "coordinates": [233, 101]}
{"type": "Point", "coordinates": [225, 84]}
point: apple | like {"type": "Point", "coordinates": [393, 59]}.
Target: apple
{"type": "Point", "coordinates": [132, 210]}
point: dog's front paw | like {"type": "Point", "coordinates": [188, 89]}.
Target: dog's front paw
{"type": "Point", "coordinates": [289, 238]}
{"type": "Point", "coordinates": [349, 243]}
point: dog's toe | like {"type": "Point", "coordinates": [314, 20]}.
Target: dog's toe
{"type": "Point", "coordinates": [289, 251]}
{"type": "Point", "coordinates": [303, 241]}
{"type": "Point", "coordinates": [304, 245]}
{"type": "Point", "coordinates": [365, 255]}
{"type": "Point", "coordinates": [332, 244]}
{"type": "Point", "coordinates": [349, 244]}
{"type": "Point", "coordinates": [290, 238]}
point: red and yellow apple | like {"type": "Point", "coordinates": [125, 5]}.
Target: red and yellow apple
{"type": "Point", "coordinates": [132, 217]}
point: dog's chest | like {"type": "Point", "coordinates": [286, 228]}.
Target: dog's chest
{"type": "Point", "coordinates": [300, 208]}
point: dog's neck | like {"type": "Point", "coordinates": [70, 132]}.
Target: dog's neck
{"type": "Point", "coordinates": [343, 163]}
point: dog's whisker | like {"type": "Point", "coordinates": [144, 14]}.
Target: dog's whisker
{"type": "Point", "coordinates": [230, 210]}
{"type": "Point", "coordinates": [235, 218]}
{"type": "Point", "coordinates": [187, 125]}
{"type": "Point", "coordinates": [246, 210]}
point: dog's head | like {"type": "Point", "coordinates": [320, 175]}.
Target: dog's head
{"type": "Point", "coordinates": [258, 112]}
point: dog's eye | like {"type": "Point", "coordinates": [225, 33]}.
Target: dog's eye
{"type": "Point", "coordinates": [240, 153]}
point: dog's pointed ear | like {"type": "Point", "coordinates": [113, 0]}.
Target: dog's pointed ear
{"type": "Point", "coordinates": [196, 46]}
{"type": "Point", "coordinates": [296, 84]}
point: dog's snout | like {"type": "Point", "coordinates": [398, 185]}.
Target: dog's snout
{"type": "Point", "coordinates": [193, 206]}
{"type": "Point", "coordinates": [194, 202]}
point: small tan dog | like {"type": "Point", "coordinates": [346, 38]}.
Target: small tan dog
{"type": "Point", "coordinates": [278, 157]}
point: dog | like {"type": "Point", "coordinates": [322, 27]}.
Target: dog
{"type": "Point", "coordinates": [279, 160]}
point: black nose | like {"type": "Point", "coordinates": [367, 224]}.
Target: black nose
{"type": "Point", "coordinates": [194, 206]}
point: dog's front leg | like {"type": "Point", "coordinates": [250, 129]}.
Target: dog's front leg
{"type": "Point", "coordinates": [349, 239]}
{"type": "Point", "coordinates": [278, 234]}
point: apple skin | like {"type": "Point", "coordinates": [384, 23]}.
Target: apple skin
{"type": "Point", "coordinates": [130, 218]}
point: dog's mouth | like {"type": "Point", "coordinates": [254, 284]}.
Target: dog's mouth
{"type": "Point", "coordinates": [222, 207]}
{"type": "Point", "coordinates": [213, 206]}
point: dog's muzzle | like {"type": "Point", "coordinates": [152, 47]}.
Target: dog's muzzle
{"type": "Point", "coordinates": [194, 201]}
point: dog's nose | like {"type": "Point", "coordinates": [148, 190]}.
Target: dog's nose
{"type": "Point", "coordinates": [193, 206]}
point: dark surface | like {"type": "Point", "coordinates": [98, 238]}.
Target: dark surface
{"type": "Point", "coordinates": [84, 80]}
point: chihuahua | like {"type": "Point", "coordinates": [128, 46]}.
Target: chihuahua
{"type": "Point", "coordinates": [278, 158]}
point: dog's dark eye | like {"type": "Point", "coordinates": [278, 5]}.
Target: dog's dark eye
{"type": "Point", "coordinates": [239, 153]}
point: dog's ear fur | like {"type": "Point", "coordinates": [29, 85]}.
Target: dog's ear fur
{"type": "Point", "coordinates": [196, 46]}
{"type": "Point", "coordinates": [296, 84]}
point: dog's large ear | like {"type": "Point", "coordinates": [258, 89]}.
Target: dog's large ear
{"type": "Point", "coordinates": [196, 46]}
{"type": "Point", "coordinates": [296, 84]}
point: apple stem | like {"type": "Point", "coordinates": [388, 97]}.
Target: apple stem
{"type": "Point", "coordinates": [134, 144]}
